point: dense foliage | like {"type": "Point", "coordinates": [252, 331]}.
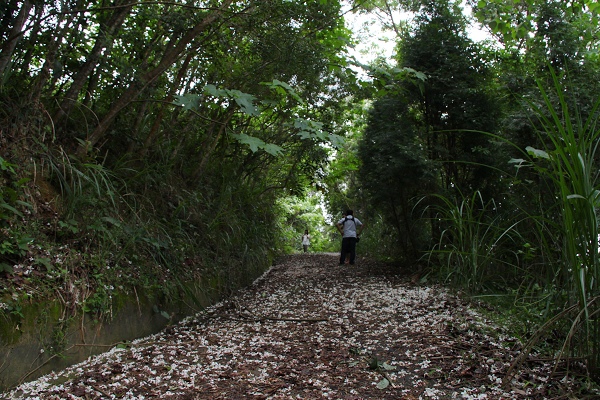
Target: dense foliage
{"type": "Point", "coordinates": [151, 143]}
{"type": "Point", "coordinates": [483, 159]}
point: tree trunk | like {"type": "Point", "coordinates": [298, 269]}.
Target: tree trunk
{"type": "Point", "coordinates": [168, 59]}
{"type": "Point", "coordinates": [213, 145]}
{"type": "Point", "coordinates": [52, 48]}
{"type": "Point", "coordinates": [7, 49]}
{"type": "Point", "coordinates": [28, 54]}
{"type": "Point", "coordinates": [104, 41]}
{"type": "Point", "coordinates": [158, 120]}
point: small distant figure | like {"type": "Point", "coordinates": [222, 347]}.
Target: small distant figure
{"type": "Point", "coordinates": [350, 228]}
{"type": "Point", "coordinates": [305, 241]}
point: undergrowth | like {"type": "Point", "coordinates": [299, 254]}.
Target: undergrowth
{"type": "Point", "coordinates": [80, 233]}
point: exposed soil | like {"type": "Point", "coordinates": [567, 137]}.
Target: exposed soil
{"type": "Point", "coordinates": [310, 329]}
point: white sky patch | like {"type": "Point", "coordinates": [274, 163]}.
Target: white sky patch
{"type": "Point", "coordinates": [376, 41]}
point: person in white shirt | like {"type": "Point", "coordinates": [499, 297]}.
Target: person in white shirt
{"type": "Point", "coordinates": [305, 240]}
{"type": "Point", "coordinates": [350, 228]}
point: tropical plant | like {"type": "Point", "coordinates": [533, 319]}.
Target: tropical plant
{"type": "Point", "coordinates": [474, 248]}
{"type": "Point", "coordinates": [569, 161]}
{"type": "Point", "coordinates": [13, 242]}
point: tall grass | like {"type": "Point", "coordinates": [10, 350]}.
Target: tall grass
{"type": "Point", "coordinates": [81, 183]}
{"type": "Point", "coordinates": [569, 161]}
{"type": "Point", "coordinates": [470, 250]}
{"type": "Point", "coordinates": [562, 240]}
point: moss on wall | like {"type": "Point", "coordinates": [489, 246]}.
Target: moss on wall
{"type": "Point", "coordinates": [48, 336]}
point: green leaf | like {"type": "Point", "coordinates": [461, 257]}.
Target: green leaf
{"type": "Point", "coordinates": [188, 101]}
{"type": "Point", "coordinates": [24, 204]}
{"type": "Point", "coordinates": [384, 383]}
{"type": "Point", "coordinates": [596, 198]}
{"type": "Point", "coordinates": [304, 134]}
{"type": "Point", "coordinates": [245, 101]}
{"type": "Point", "coordinates": [256, 144]}
{"type": "Point", "coordinates": [6, 166]}
{"type": "Point", "coordinates": [24, 242]}
{"type": "Point", "coordinates": [273, 149]}
{"type": "Point", "coordinates": [519, 162]}
{"type": "Point", "coordinates": [537, 153]}
{"type": "Point", "coordinates": [311, 129]}
{"type": "Point", "coordinates": [302, 124]}
{"type": "Point", "coordinates": [214, 91]}
{"type": "Point", "coordinates": [45, 262]}
{"type": "Point", "coordinates": [373, 363]}
{"type": "Point", "coordinates": [594, 7]}
{"type": "Point", "coordinates": [22, 181]}
{"type": "Point", "coordinates": [11, 209]}
{"type": "Point", "coordinates": [4, 267]}
{"type": "Point", "coordinates": [336, 140]}
{"type": "Point", "coordinates": [113, 221]}
{"type": "Point", "coordinates": [253, 142]}
{"type": "Point", "coordinates": [286, 89]}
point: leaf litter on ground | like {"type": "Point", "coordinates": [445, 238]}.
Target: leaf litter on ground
{"type": "Point", "coordinates": [310, 329]}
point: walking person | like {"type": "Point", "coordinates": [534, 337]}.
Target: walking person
{"type": "Point", "coordinates": [305, 241]}
{"type": "Point", "coordinates": [350, 228]}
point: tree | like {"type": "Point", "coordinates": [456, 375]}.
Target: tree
{"type": "Point", "coordinates": [424, 135]}
{"type": "Point", "coordinates": [456, 100]}
{"type": "Point", "coordinates": [170, 129]}
{"type": "Point", "coordinates": [395, 171]}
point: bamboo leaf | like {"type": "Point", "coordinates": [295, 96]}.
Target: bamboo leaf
{"type": "Point", "coordinates": [11, 209]}
{"type": "Point", "coordinates": [519, 162]}
{"type": "Point", "coordinates": [113, 221]}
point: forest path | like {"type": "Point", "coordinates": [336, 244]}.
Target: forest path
{"type": "Point", "coordinates": [311, 329]}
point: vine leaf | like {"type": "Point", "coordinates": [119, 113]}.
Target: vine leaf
{"type": "Point", "coordinates": [188, 101]}
{"type": "Point", "coordinates": [245, 101]}
{"type": "Point", "coordinates": [283, 88]}
{"type": "Point", "coordinates": [255, 144]}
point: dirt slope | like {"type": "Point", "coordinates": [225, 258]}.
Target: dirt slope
{"type": "Point", "coordinates": [310, 329]}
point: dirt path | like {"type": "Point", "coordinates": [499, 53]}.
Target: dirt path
{"type": "Point", "coordinates": [309, 329]}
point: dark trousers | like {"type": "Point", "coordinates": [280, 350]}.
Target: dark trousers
{"type": "Point", "coordinates": [348, 246]}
